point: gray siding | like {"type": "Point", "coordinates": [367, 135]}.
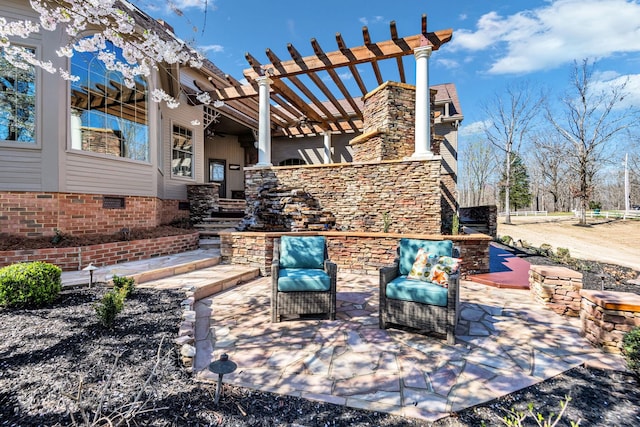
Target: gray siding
{"type": "Point", "coordinates": [227, 148]}
{"type": "Point", "coordinates": [311, 149]}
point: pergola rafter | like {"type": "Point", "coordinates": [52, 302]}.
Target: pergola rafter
{"type": "Point", "coordinates": [297, 110]}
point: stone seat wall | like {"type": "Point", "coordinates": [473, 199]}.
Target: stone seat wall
{"type": "Point", "coordinates": [606, 316]}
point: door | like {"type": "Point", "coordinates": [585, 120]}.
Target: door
{"type": "Point", "coordinates": [217, 173]}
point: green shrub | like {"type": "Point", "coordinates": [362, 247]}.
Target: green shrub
{"type": "Point", "coordinates": [124, 285]}
{"type": "Point", "coordinates": [517, 419]}
{"type": "Point", "coordinates": [506, 239]}
{"type": "Point", "coordinates": [563, 254]}
{"type": "Point", "coordinates": [29, 283]}
{"type": "Point", "coordinates": [631, 349]}
{"type": "Point", "coordinates": [108, 308]}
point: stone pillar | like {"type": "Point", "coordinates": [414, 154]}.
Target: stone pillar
{"type": "Point", "coordinates": [203, 198]}
{"type": "Point", "coordinates": [423, 104]}
{"type": "Point", "coordinates": [558, 288]}
{"type": "Point", "coordinates": [327, 147]}
{"type": "Point", "coordinates": [264, 124]}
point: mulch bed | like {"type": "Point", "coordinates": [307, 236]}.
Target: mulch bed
{"type": "Point", "coordinates": [58, 367]}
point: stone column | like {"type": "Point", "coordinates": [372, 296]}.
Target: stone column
{"type": "Point", "coordinates": [264, 123]}
{"type": "Point", "coordinates": [423, 104]}
{"type": "Point", "coordinates": [327, 147]}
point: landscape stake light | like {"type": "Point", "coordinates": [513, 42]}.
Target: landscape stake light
{"type": "Point", "coordinates": [90, 268]}
{"type": "Point", "coordinates": [221, 366]}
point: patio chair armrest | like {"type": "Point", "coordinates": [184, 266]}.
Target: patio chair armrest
{"type": "Point", "coordinates": [389, 273]}
{"type": "Point", "coordinates": [331, 268]}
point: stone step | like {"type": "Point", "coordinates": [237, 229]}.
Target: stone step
{"type": "Point", "coordinates": [209, 243]}
{"type": "Point", "coordinates": [216, 225]}
{"type": "Point", "coordinates": [173, 270]}
{"type": "Point", "coordinates": [207, 281]}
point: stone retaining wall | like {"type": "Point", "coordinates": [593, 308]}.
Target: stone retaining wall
{"type": "Point", "coordinates": [358, 253]}
{"type": "Point", "coordinates": [76, 258]}
{"type": "Point", "coordinates": [557, 288]}
{"type": "Point", "coordinates": [359, 194]}
{"type": "Point", "coordinates": [606, 316]}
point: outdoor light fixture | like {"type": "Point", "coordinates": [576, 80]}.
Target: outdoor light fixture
{"type": "Point", "coordinates": [221, 366]}
{"type": "Point", "coordinates": [90, 268]}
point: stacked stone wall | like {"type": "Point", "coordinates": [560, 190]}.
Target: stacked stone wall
{"type": "Point", "coordinates": [357, 253]}
{"type": "Point", "coordinates": [606, 316]}
{"type": "Point", "coordinates": [557, 288]}
{"type": "Point", "coordinates": [358, 195]}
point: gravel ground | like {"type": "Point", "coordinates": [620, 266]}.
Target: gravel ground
{"type": "Point", "coordinates": [59, 367]}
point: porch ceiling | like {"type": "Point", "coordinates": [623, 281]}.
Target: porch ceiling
{"type": "Point", "coordinates": [296, 108]}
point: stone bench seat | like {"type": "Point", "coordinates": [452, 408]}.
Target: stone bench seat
{"type": "Point", "coordinates": [606, 316]}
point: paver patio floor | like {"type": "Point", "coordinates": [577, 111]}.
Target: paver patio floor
{"type": "Point", "coordinates": [505, 342]}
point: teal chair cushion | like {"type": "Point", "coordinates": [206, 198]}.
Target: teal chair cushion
{"type": "Point", "coordinates": [302, 251]}
{"type": "Point", "coordinates": [303, 279]}
{"type": "Point", "coordinates": [409, 251]}
{"type": "Point", "coordinates": [405, 289]}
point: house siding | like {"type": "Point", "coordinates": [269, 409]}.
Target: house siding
{"type": "Point", "coordinates": [311, 149]}
{"type": "Point", "coordinates": [226, 148]}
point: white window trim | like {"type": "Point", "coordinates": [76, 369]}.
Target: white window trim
{"type": "Point", "coordinates": [193, 152]}
{"type": "Point", "coordinates": [37, 145]}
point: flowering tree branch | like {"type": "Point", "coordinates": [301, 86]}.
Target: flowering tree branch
{"type": "Point", "coordinates": [143, 41]}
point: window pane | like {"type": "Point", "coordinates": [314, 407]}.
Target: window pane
{"type": "Point", "coordinates": [106, 116]}
{"type": "Point", "coordinates": [182, 152]}
{"type": "Point", "coordinates": [17, 102]}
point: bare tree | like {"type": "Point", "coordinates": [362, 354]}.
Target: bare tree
{"type": "Point", "coordinates": [592, 119]}
{"type": "Point", "coordinates": [511, 116]}
{"type": "Point", "coordinates": [550, 165]}
{"type": "Point", "coordinates": [479, 166]}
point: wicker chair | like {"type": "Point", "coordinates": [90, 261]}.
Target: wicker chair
{"type": "Point", "coordinates": [303, 279]}
{"type": "Point", "coordinates": [397, 294]}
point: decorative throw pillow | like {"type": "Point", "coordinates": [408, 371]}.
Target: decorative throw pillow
{"type": "Point", "coordinates": [422, 266]}
{"type": "Point", "coordinates": [442, 269]}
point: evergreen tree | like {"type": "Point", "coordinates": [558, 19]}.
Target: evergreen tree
{"type": "Point", "coordinates": [520, 196]}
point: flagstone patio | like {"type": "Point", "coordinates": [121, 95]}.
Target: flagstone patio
{"type": "Point", "coordinates": [505, 342]}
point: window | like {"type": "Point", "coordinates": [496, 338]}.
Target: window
{"type": "Point", "coordinates": [292, 162]}
{"type": "Point", "coordinates": [107, 117]}
{"type": "Point", "coordinates": [17, 102]}
{"type": "Point", "coordinates": [182, 152]}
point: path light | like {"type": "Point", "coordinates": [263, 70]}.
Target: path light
{"type": "Point", "coordinates": [221, 366]}
{"type": "Point", "coordinates": [90, 268]}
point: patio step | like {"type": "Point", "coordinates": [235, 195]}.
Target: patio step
{"type": "Point", "coordinates": [209, 242]}
{"type": "Point", "coordinates": [174, 270]}
{"type": "Point", "coordinates": [206, 281]}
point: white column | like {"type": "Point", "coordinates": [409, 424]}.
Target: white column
{"type": "Point", "coordinates": [264, 123]}
{"type": "Point", "coordinates": [76, 131]}
{"type": "Point", "coordinates": [423, 104]}
{"type": "Point", "coordinates": [327, 147]}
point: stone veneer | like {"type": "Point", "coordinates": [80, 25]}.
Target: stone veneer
{"type": "Point", "coordinates": [388, 120]}
{"type": "Point", "coordinates": [203, 198]}
{"type": "Point", "coordinates": [37, 214]}
{"type": "Point", "coordinates": [357, 253]}
{"type": "Point", "coordinates": [557, 288]}
{"type": "Point", "coordinates": [606, 316]}
{"type": "Point", "coordinates": [76, 258]}
{"type": "Point", "coordinates": [358, 194]}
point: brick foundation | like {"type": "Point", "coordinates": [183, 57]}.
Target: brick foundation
{"type": "Point", "coordinates": [606, 316]}
{"type": "Point", "coordinates": [33, 214]}
{"type": "Point", "coordinates": [557, 288]}
{"type": "Point", "coordinates": [76, 258]}
{"type": "Point", "coordinates": [358, 253]}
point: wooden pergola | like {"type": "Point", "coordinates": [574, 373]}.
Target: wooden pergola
{"type": "Point", "coordinates": [293, 115]}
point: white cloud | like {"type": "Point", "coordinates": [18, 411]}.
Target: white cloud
{"type": "Point", "coordinates": [448, 63]}
{"type": "Point", "coordinates": [371, 20]}
{"type": "Point", "coordinates": [550, 36]}
{"type": "Point", "coordinates": [630, 84]}
{"type": "Point", "coordinates": [214, 48]}
{"type": "Point", "coordinates": [190, 4]}
{"type": "Point", "coordinates": [474, 128]}
{"type": "Point", "coordinates": [462, 17]}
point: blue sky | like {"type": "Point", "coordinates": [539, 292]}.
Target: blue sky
{"type": "Point", "coordinates": [494, 43]}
